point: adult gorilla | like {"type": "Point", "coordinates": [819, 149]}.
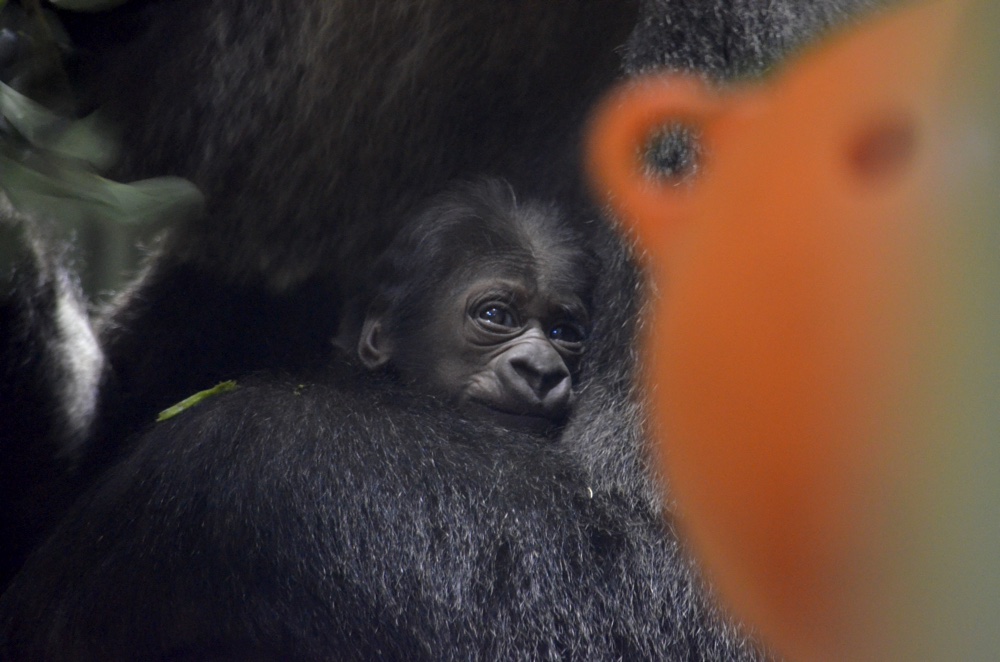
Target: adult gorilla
{"type": "Point", "coordinates": [298, 518]}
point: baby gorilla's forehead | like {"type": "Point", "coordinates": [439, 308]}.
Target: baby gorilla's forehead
{"type": "Point", "coordinates": [564, 272]}
{"type": "Point", "coordinates": [556, 281]}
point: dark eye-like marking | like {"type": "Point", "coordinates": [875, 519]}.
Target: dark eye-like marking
{"type": "Point", "coordinates": [495, 314]}
{"type": "Point", "coordinates": [568, 332]}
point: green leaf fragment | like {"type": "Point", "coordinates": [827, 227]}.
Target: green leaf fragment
{"type": "Point", "coordinates": [187, 403]}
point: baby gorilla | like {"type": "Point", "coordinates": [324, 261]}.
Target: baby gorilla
{"type": "Point", "coordinates": [485, 301]}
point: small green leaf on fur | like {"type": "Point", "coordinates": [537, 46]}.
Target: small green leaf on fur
{"type": "Point", "coordinates": [187, 403]}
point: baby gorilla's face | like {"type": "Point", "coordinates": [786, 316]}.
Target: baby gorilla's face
{"type": "Point", "coordinates": [485, 302]}
{"type": "Point", "coordinates": [503, 338]}
{"type": "Point", "coordinates": [505, 345]}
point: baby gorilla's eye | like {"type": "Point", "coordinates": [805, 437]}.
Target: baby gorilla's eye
{"type": "Point", "coordinates": [568, 333]}
{"type": "Point", "coordinates": [497, 315]}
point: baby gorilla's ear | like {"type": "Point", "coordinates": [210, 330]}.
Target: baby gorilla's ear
{"type": "Point", "coordinates": [374, 345]}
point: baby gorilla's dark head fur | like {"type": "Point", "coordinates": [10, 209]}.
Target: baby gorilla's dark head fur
{"type": "Point", "coordinates": [485, 300]}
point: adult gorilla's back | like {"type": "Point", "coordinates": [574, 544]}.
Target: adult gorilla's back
{"type": "Point", "coordinates": [332, 522]}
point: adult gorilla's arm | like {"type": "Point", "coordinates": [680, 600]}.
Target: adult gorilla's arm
{"type": "Point", "coordinates": [284, 521]}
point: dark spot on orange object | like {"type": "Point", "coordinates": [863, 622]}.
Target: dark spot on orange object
{"type": "Point", "coordinates": [883, 149]}
{"type": "Point", "coordinates": [673, 153]}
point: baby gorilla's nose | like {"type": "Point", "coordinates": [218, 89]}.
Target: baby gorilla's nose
{"type": "Point", "coordinates": [540, 378]}
{"type": "Point", "coordinates": [545, 381]}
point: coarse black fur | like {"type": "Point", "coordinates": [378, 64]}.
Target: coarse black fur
{"type": "Point", "coordinates": [329, 522]}
{"type": "Point", "coordinates": [266, 521]}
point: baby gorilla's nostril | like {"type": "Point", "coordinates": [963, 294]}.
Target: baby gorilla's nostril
{"type": "Point", "coordinates": [551, 381]}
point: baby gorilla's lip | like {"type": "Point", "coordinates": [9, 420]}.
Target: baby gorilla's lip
{"type": "Point", "coordinates": [535, 420]}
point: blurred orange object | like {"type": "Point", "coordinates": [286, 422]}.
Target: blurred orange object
{"type": "Point", "coordinates": [805, 333]}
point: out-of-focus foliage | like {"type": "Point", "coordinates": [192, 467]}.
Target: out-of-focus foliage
{"type": "Point", "coordinates": [87, 5]}
{"type": "Point", "coordinates": [48, 167]}
{"type": "Point", "coordinates": [51, 158]}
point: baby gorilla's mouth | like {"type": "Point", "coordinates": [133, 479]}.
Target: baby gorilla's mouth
{"type": "Point", "coordinates": [537, 421]}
